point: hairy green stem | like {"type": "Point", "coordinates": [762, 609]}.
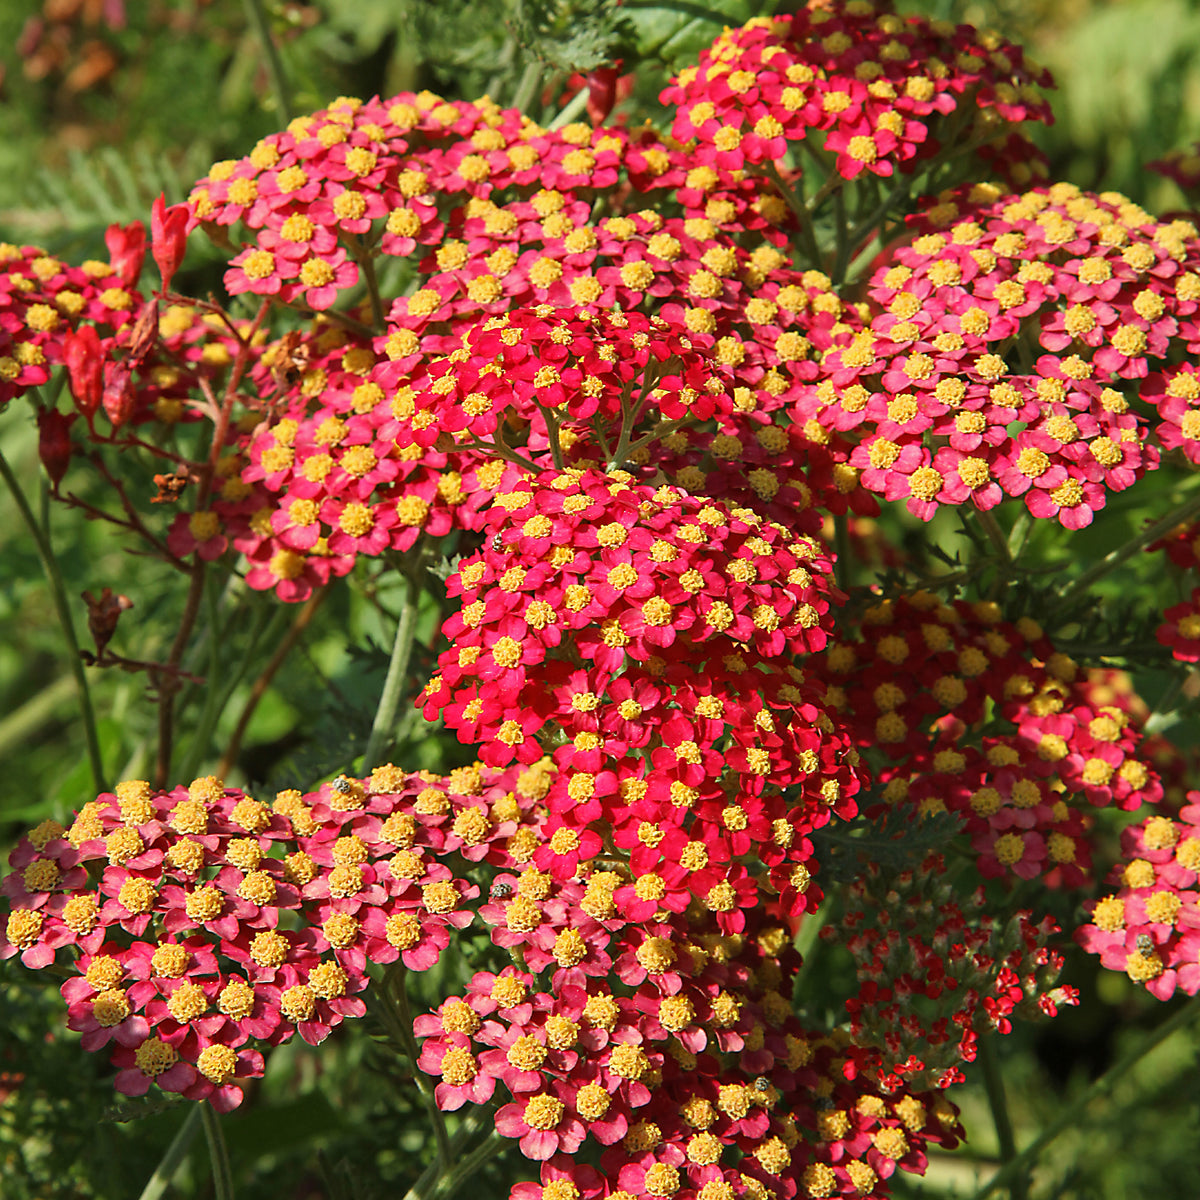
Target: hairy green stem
{"type": "Point", "coordinates": [405, 1029]}
{"type": "Point", "coordinates": [1177, 516]}
{"type": "Point", "coordinates": [528, 85]}
{"type": "Point", "coordinates": [993, 1084]}
{"type": "Point", "coordinates": [449, 1184]}
{"type": "Point", "coordinates": [279, 80]}
{"type": "Point", "coordinates": [995, 534]}
{"type": "Point", "coordinates": [1023, 1161]}
{"type": "Point", "coordinates": [384, 725]}
{"type": "Point", "coordinates": [222, 1175]}
{"type": "Point", "coordinates": [429, 1179]}
{"type": "Point", "coordinates": [573, 109]}
{"type": "Point", "coordinates": [799, 211]}
{"type": "Point", "coordinates": [158, 1183]}
{"type": "Point", "coordinates": [58, 595]}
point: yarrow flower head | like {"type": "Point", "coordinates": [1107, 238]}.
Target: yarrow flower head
{"type": "Point", "coordinates": [674, 604]}
{"type": "Point", "coordinates": [1090, 286]}
{"type": "Point", "coordinates": [1150, 926]}
{"type": "Point", "coordinates": [857, 72]}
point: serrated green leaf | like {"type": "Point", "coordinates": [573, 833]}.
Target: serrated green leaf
{"type": "Point", "coordinates": [679, 30]}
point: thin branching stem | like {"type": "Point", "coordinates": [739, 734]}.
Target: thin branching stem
{"type": "Point", "coordinates": [218, 1154]}
{"type": "Point", "coordinates": [1073, 1113]}
{"type": "Point", "coordinates": [384, 725]}
{"type": "Point", "coordinates": [279, 79]}
{"type": "Point", "coordinates": [1179, 515]}
{"type": "Point", "coordinates": [298, 626]}
{"type": "Point", "coordinates": [58, 594]}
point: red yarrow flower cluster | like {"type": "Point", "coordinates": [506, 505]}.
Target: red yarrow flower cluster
{"type": "Point", "coordinates": [1024, 792]}
{"type": "Point", "coordinates": [651, 630]}
{"type": "Point", "coordinates": [914, 942]}
{"type": "Point", "coordinates": [1091, 287]}
{"type": "Point", "coordinates": [857, 72]}
{"type": "Point", "coordinates": [172, 905]}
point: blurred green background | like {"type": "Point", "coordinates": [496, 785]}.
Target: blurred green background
{"type": "Point", "coordinates": [106, 104]}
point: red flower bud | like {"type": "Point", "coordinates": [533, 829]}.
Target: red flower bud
{"type": "Point", "coordinates": [168, 237]}
{"type": "Point", "coordinates": [118, 392]}
{"type": "Point", "coordinates": [54, 443]}
{"type": "Point", "coordinates": [606, 86]}
{"type": "Point", "coordinates": [126, 250]}
{"type": "Point", "coordinates": [83, 354]}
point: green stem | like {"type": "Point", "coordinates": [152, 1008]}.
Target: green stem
{"type": "Point", "coordinates": [449, 1184]}
{"type": "Point", "coordinates": [297, 628]}
{"type": "Point", "coordinates": [397, 677]}
{"type": "Point", "coordinates": [167, 680]}
{"type": "Point", "coordinates": [405, 1030]}
{"type": "Point", "coordinates": [279, 80]}
{"type": "Point", "coordinates": [799, 211]}
{"type": "Point", "coordinates": [527, 86]}
{"type": "Point", "coordinates": [158, 1183]}
{"type": "Point", "coordinates": [1163, 716]}
{"type": "Point", "coordinates": [366, 263]}
{"type": "Point", "coordinates": [995, 534]}
{"type": "Point", "coordinates": [1177, 516]}
{"type": "Point", "coordinates": [841, 259]}
{"type": "Point", "coordinates": [58, 594]}
{"type": "Point", "coordinates": [1073, 1112]}
{"type": "Point", "coordinates": [430, 1178]}
{"type": "Point", "coordinates": [222, 1175]}
{"type": "Point", "coordinates": [1022, 527]}
{"type": "Point", "coordinates": [841, 546]}
{"type": "Point", "coordinates": [210, 711]}
{"type": "Point", "coordinates": [993, 1084]}
{"type": "Point", "coordinates": [575, 107]}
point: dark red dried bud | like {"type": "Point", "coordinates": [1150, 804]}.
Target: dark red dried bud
{"type": "Point", "coordinates": [103, 615]}
{"type": "Point", "coordinates": [54, 443]}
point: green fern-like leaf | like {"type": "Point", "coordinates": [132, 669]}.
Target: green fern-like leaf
{"type": "Point", "coordinates": [72, 204]}
{"type": "Point", "coordinates": [571, 35]}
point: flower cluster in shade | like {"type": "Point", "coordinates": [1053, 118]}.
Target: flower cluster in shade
{"type": "Point", "coordinates": [647, 639]}
{"type": "Point", "coordinates": [884, 90]}
{"type": "Point", "coordinates": [917, 683]}
{"type": "Point", "coordinates": [1180, 630]}
{"type": "Point", "coordinates": [937, 970]}
{"type": "Point", "coordinates": [1014, 334]}
{"type": "Point", "coordinates": [666, 1051]}
{"type": "Point", "coordinates": [1150, 926]}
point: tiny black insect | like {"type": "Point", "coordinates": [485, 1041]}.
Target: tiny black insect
{"type": "Point", "coordinates": [342, 784]}
{"type": "Point", "coordinates": [500, 890]}
{"type": "Point", "coordinates": [1145, 944]}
